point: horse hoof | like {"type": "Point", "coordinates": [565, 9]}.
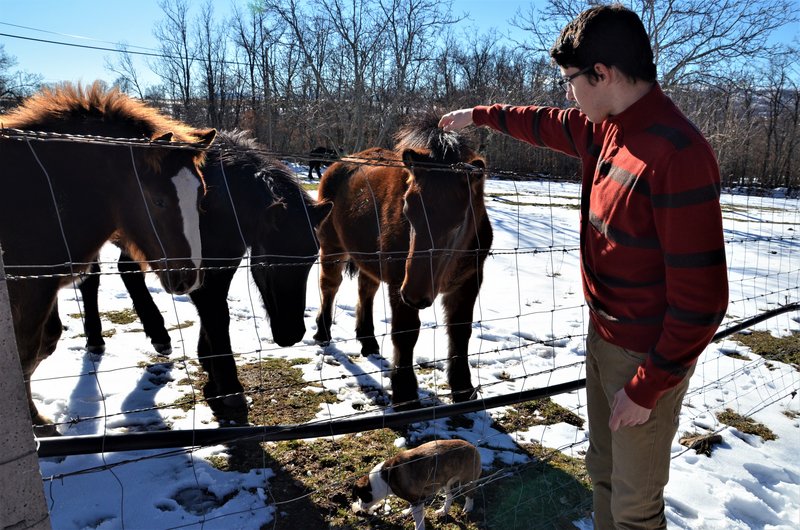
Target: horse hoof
{"type": "Point", "coordinates": [163, 349]}
{"type": "Point", "coordinates": [231, 408]}
{"type": "Point", "coordinates": [96, 349]}
{"type": "Point", "coordinates": [369, 348]}
{"type": "Point", "coordinates": [322, 340]}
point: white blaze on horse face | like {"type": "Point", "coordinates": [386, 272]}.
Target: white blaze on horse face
{"type": "Point", "coordinates": [188, 188]}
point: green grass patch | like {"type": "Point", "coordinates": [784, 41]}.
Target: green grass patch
{"type": "Point", "coordinates": [745, 424]}
{"type": "Point", "coordinates": [781, 349]}
{"type": "Point", "coordinates": [280, 394]}
{"type": "Point", "coordinates": [543, 411]}
{"type": "Point", "coordinates": [121, 317]}
{"type": "Point", "coordinates": [549, 493]}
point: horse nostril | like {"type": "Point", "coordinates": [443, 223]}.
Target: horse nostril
{"type": "Point", "coordinates": [422, 303]}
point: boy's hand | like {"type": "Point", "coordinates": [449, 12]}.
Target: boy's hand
{"type": "Point", "coordinates": [458, 119]}
{"type": "Point", "coordinates": [626, 413]}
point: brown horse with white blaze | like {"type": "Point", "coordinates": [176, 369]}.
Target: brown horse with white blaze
{"type": "Point", "coordinates": [111, 168]}
{"type": "Point", "coordinates": [413, 217]}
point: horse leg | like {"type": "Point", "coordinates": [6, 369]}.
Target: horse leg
{"type": "Point", "coordinates": [37, 328]}
{"type": "Point", "coordinates": [458, 306]}
{"type": "Point", "coordinates": [365, 328]}
{"type": "Point", "coordinates": [223, 391]}
{"type": "Point", "coordinates": [143, 304]}
{"type": "Point", "coordinates": [51, 332]}
{"type": "Point", "coordinates": [405, 332]}
{"type": "Point", "coordinates": [92, 326]}
{"type": "Point", "coordinates": [329, 282]}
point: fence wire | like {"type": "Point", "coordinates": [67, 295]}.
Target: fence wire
{"type": "Point", "coordinates": [533, 351]}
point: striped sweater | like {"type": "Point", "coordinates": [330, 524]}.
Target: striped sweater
{"type": "Point", "coordinates": [652, 250]}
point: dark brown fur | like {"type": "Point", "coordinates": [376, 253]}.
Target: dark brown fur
{"type": "Point", "coordinates": [378, 194]}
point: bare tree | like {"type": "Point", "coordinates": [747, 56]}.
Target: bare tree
{"type": "Point", "coordinates": [412, 30]}
{"type": "Point", "coordinates": [174, 67]}
{"type": "Point", "coordinates": [692, 39]}
{"type": "Point", "coordinates": [360, 35]}
{"type": "Point", "coordinates": [122, 66]}
{"type": "Point", "coordinates": [15, 85]}
{"type": "Point", "coordinates": [211, 55]}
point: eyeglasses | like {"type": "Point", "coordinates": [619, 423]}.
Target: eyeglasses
{"type": "Point", "coordinates": [567, 79]}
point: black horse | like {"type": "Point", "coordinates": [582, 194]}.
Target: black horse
{"type": "Point", "coordinates": [252, 202]}
{"type": "Point", "coordinates": [318, 157]}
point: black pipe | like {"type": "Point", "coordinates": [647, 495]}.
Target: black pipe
{"type": "Point", "coordinates": [77, 445]}
{"type": "Point", "coordinates": [755, 320]}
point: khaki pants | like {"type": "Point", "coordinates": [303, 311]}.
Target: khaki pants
{"type": "Point", "coordinates": [629, 468]}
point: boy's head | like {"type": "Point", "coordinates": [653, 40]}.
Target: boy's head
{"type": "Point", "coordinates": [610, 34]}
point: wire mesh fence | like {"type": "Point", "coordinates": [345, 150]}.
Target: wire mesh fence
{"type": "Point", "coordinates": [528, 330]}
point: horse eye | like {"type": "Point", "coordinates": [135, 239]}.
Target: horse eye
{"type": "Point", "coordinates": [160, 202]}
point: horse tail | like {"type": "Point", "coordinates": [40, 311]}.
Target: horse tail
{"type": "Point", "coordinates": [351, 269]}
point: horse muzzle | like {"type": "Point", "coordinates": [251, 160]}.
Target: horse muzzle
{"type": "Point", "coordinates": [181, 280]}
{"type": "Point", "coordinates": [420, 302]}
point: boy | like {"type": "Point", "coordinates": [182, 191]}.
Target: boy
{"type": "Point", "coordinates": [652, 250]}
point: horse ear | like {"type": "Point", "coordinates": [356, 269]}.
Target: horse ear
{"type": "Point", "coordinates": [204, 139]}
{"type": "Point", "coordinates": [412, 158]}
{"type": "Point", "coordinates": [166, 138]}
{"type": "Point", "coordinates": [480, 171]}
{"type": "Point", "coordinates": [319, 212]}
{"type": "Point", "coordinates": [479, 163]}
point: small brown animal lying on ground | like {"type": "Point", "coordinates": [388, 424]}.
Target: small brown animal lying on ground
{"type": "Point", "coordinates": [418, 474]}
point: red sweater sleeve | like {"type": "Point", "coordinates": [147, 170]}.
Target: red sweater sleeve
{"type": "Point", "coordinates": [563, 130]}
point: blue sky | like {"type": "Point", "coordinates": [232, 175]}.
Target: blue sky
{"type": "Point", "coordinates": [103, 23]}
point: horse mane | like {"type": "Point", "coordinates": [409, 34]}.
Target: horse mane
{"type": "Point", "coordinates": [422, 131]}
{"type": "Point", "coordinates": [238, 146]}
{"type": "Point", "coordinates": [64, 101]}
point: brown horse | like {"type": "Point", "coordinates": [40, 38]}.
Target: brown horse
{"type": "Point", "coordinates": [413, 217]}
{"type": "Point", "coordinates": [64, 197]}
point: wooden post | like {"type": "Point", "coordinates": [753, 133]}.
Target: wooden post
{"type": "Point", "coordinates": [22, 502]}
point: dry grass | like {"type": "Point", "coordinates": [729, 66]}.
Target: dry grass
{"type": "Point", "coordinates": [784, 349]}
{"type": "Point", "coordinates": [745, 424]}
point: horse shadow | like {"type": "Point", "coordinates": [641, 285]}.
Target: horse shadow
{"type": "Point", "coordinates": [373, 388]}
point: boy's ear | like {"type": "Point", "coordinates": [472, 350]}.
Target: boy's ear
{"type": "Point", "coordinates": [603, 72]}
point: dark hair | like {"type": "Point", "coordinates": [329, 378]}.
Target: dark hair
{"type": "Point", "coordinates": [609, 34]}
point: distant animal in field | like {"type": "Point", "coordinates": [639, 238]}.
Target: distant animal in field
{"type": "Point", "coordinates": [413, 217]}
{"type": "Point", "coordinates": [62, 200]}
{"type": "Point", "coordinates": [418, 474]}
{"type": "Point", "coordinates": [253, 202]}
{"type": "Point", "coordinates": [318, 157]}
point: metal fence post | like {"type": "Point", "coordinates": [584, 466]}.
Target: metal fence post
{"type": "Point", "coordinates": [22, 502]}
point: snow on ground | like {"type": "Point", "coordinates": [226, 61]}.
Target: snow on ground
{"type": "Point", "coordinates": [528, 332]}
